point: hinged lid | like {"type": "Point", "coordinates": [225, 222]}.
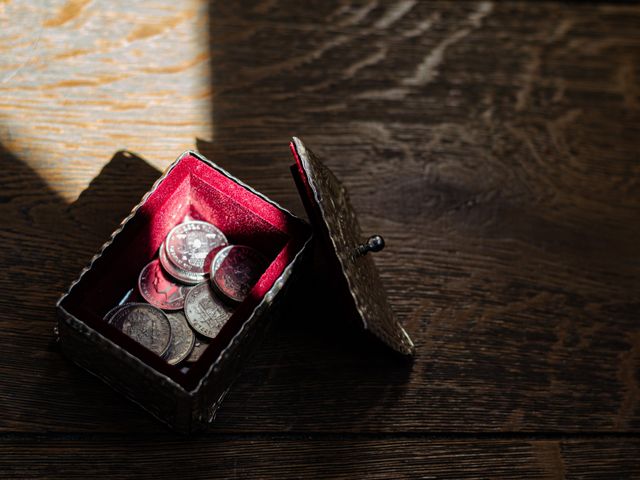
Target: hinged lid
{"type": "Point", "coordinates": [333, 214]}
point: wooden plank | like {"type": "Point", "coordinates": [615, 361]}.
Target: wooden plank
{"type": "Point", "coordinates": [79, 81]}
{"type": "Point", "coordinates": [166, 457]}
{"type": "Point", "coordinates": [493, 145]}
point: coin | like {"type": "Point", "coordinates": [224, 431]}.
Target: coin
{"type": "Point", "coordinates": [145, 324]}
{"type": "Point", "coordinates": [177, 273]}
{"type": "Point", "coordinates": [110, 313]}
{"type": "Point", "coordinates": [160, 290]}
{"type": "Point", "coordinates": [204, 311]}
{"type": "Point", "coordinates": [182, 338]}
{"type": "Point", "coordinates": [188, 245]}
{"type": "Point", "coordinates": [236, 269]}
{"type": "Point", "coordinates": [198, 349]}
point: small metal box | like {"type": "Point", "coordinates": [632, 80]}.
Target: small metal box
{"type": "Point", "coordinates": [186, 399]}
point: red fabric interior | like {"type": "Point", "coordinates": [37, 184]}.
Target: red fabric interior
{"type": "Point", "coordinates": [192, 188]}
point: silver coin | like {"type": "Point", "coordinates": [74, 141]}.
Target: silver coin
{"type": "Point", "coordinates": [236, 269]}
{"type": "Point", "coordinates": [204, 311]}
{"type": "Point", "coordinates": [110, 313]}
{"type": "Point", "coordinates": [159, 289]}
{"type": "Point", "coordinates": [145, 324]}
{"type": "Point", "coordinates": [188, 245]}
{"type": "Point", "coordinates": [182, 338]}
{"type": "Point", "coordinates": [177, 273]}
{"type": "Point", "coordinates": [198, 349]}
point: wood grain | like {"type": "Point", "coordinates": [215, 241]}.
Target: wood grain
{"type": "Point", "coordinates": [493, 145]}
{"type": "Point", "coordinates": [116, 458]}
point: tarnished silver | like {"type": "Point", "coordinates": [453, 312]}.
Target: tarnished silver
{"type": "Point", "coordinates": [110, 313]}
{"type": "Point", "coordinates": [359, 270]}
{"type": "Point", "coordinates": [235, 270]}
{"type": "Point", "coordinates": [145, 324]}
{"type": "Point", "coordinates": [199, 347]}
{"type": "Point", "coordinates": [177, 273]}
{"type": "Point", "coordinates": [182, 338]}
{"type": "Point", "coordinates": [205, 312]}
{"type": "Point", "coordinates": [189, 245]}
{"type": "Point", "coordinates": [161, 291]}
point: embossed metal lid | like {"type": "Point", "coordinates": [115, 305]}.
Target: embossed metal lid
{"type": "Point", "coordinates": [333, 213]}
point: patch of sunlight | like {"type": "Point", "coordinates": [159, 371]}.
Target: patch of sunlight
{"type": "Point", "coordinates": [81, 80]}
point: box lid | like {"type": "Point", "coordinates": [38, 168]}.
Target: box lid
{"type": "Point", "coordinates": [330, 211]}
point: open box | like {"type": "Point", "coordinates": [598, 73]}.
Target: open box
{"type": "Point", "coordinates": [186, 398]}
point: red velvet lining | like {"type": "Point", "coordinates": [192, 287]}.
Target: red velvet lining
{"type": "Point", "coordinates": [193, 188]}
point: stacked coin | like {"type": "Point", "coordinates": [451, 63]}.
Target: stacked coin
{"type": "Point", "coordinates": [184, 312]}
{"type": "Point", "coordinates": [187, 251]}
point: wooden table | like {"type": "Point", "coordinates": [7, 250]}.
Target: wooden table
{"type": "Point", "coordinates": [494, 145]}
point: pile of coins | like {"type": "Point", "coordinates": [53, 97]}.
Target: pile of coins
{"type": "Point", "coordinates": [191, 289]}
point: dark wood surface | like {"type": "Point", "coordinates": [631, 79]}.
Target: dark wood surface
{"type": "Point", "coordinates": [495, 146]}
